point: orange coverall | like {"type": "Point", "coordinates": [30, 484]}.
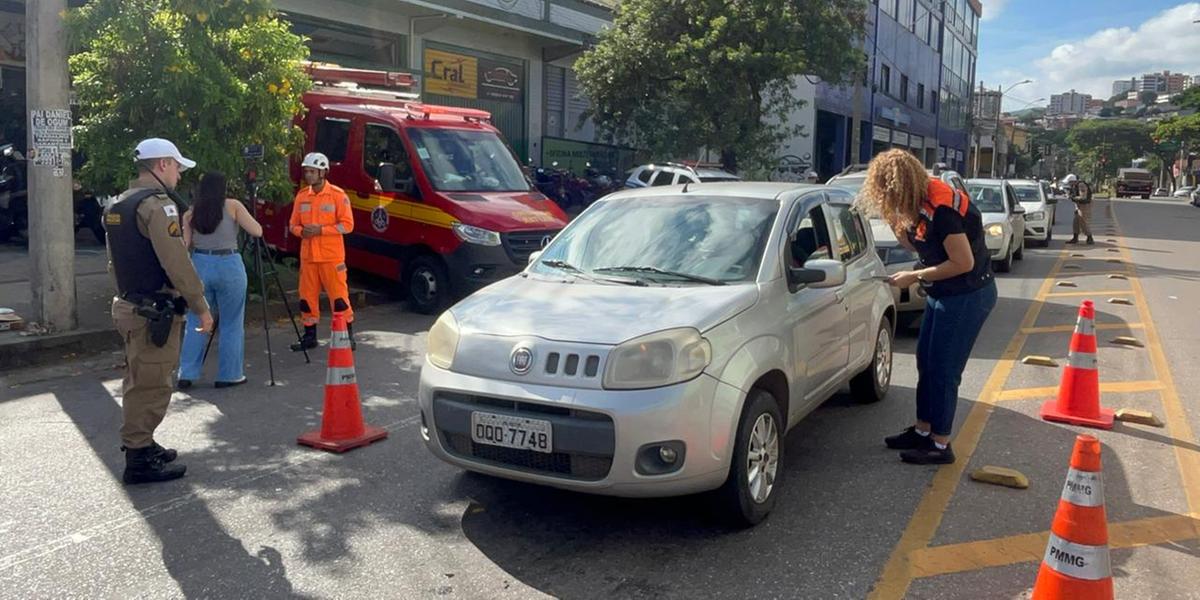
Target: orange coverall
{"type": "Point", "coordinates": [323, 257]}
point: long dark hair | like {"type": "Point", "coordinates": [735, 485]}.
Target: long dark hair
{"type": "Point", "coordinates": [209, 208]}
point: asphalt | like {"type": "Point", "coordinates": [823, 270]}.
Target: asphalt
{"type": "Point", "coordinates": [260, 517]}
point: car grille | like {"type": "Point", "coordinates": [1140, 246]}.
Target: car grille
{"type": "Point", "coordinates": [572, 365]}
{"type": "Point", "coordinates": [586, 466]}
{"type": "Point", "coordinates": [520, 244]}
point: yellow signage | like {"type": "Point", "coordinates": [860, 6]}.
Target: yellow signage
{"type": "Point", "coordinates": [451, 74]}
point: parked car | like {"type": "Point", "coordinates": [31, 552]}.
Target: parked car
{"type": "Point", "coordinates": [1162, 192]}
{"type": "Point", "coordinates": [1003, 220]}
{"type": "Point", "coordinates": [661, 174]}
{"type": "Point", "coordinates": [663, 344]}
{"type": "Point", "coordinates": [1134, 182]}
{"type": "Point", "coordinates": [1196, 197]}
{"type": "Point", "coordinates": [1183, 192]}
{"type": "Point", "coordinates": [1039, 209]}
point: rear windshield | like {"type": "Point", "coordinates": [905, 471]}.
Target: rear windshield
{"type": "Point", "coordinates": [1140, 175]}
{"type": "Point", "coordinates": [1027, 193]}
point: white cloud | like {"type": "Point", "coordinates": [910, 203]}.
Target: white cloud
{"type": "Point", "coordinates": [992, 9]}
{"type": "Point", "coordinates": [1168, 41]}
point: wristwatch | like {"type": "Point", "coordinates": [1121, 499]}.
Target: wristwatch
{"type": "Point", "coordinates": [921, 279]}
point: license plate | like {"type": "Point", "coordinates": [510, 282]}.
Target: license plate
{"type": "Point", "coordinates": [512, 432]}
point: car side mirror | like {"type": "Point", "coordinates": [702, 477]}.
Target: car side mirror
{"type": "Point", "coordinates": [535, 256]}
{"type": "Point", "coordinates": [817, 273]}
{"type": "Point", "coordinates": [389, 183]}
{"type": "Point", "coordinates": [1018, 210]}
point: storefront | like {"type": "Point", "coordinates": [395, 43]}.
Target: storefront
{"type": "Point", "coordinates": [456, 76]}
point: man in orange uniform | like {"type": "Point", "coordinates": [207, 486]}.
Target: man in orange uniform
{"type": "Point", "coordinates": [321, 215]}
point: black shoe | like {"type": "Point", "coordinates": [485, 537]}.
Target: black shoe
{"type": "Point", "coordinates": [166, 454]}
{"type": "Point", "coordinates": [183, 384]}
{"type": "Point", "coordinates": [350, 336]}
{"type": "Point", "coordinates": [146, 465]}
{"type": "Point", "coordinates": [1090, 241]}
{"type": "Point", "coordinates": [928, 454]}
{"type": "Point", "coordinates": [1073, 240]}
{"type": "Point", "coordinates": [226, 384]}
{"type": "Point", "coordinates": [905, 440]}
{"type": "Point", "coordinates": [308, 341]}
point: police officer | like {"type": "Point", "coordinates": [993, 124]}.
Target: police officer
{"type": "Point", "coordinates": [156, 285]}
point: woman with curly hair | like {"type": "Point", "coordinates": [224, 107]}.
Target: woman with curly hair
{"type": "Point", "coordinates": [945, 229]}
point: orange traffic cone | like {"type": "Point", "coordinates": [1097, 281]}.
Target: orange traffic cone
{"type": "Point", "coordinates": [1079, 393]}
{"type": "Point", "coordinates": [1076, 564]}
{"type": "Point", "coordinates": [342, 425]}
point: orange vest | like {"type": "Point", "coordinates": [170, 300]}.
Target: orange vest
{"type": "Point", "coordinates": [329, 208]}
{"type": "Point", "coordinates": [939, 193]}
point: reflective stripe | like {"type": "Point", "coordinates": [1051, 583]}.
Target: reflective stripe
{"type": "Point", "coordinates": [1082, 360]}
{"type": "Point", "coordinates": [341, 228]}
{"type": "Point", "coordinates": [957, 201]}
{"type": "Point", "coordinates": [926, 214]}
{"type": "Point", "coordinates": [305, 207]}
{"type": "Point", "coordinates": [1084, 326]}
{"type": "Point", "coordinates": [340, 376]}
{"type": "Point", "coordinates": [1077, 560]}
{"type": "Point", "coordinates": [328, 208]}
{"type": "Point", "coordinates": [339, 339]}
{"type": "Point", "coordinates": [1083, 488]}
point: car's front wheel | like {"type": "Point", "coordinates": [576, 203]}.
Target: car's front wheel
{"type": "Point", "coordinates": [749, 492]}
{"type": "Point", "coordinates": [872, 384]}
{"type": "Point", "coordinates": [1005, 265]}
{"type": "Point", "coordinates": [1020, 253]}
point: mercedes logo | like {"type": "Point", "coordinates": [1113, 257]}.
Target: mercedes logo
{"type": "Point", "coordinates": [521, 361]}
{"type": "Point", "coordinates": [546, 241]}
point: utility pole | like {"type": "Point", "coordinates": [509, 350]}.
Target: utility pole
{"type": "Point", "coordinates": [51, 211]}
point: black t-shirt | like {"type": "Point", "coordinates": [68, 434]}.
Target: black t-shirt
{"type": "Point", "coordinates": [932, 250]}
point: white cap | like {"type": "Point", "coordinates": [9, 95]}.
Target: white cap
{"type": "Point", "coordinates": [160, 148]}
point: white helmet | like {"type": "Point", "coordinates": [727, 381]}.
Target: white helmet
{"type": "Point", "coordinates": [316, 160]}
{"type": "Point", "coordinates": [1071, 178]}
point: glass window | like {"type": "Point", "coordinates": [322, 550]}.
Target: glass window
{"type": "Point", "coordinates": [885, 79]}
{"type": "Point", "coordinates": [888, 7]}
{"type": "Point", "coordinates": [644, 176]}
{"type": "Point", "coordinates": [332, 137]}
{"type": "Point", "coordinates": [382, 144]}
{"type": "Point", "coordinates": [848, 243]}
{"type": "Point", "coordinates": [457, 160]}
{"type": "Point", "coordinates": [904, 14]}
{"type": "Point", "coordinates": [903, 88]}
{"type": "Point", "coordinates": [720, 238]}
{"type": "Point", "coordinates": [988, 197]}
{"type": "Point", "coordinates": [663, 178]}
{"type": "Point", "coordinates": [810, 240]}
{"type": "Point", "coordinates": [935, 32]}
{"type": "Point", "coordinates": [920, 95]}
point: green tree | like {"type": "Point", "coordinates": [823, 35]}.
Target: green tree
{"type": "Point", "coordinates": [1147, 98]}
{"type": "Point", "coordinates": [211, 75]}
{"type": "Point", "coordinates": [674, 76]}
{"type": "Point", "coordinates": [1189, 99]}
{"type": "Point", "coordinates": [1104, 146]}
{"type": "Point", "coordinates": [1179, 130]}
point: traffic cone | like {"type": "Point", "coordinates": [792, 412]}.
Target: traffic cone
{"type": "Point", "coordinates": [1076, 564]}
{"type": "Point", "coordinates": [1079, 393]}
{"type": "Point", "coordinates": [342, 425]}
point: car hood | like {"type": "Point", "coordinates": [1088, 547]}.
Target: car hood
{"type": "Point", "coordinates": [1034, 206]}
{"type": "Point", "coordinates": [576, 310]}
{"type": "Point", "coordinates": [993, 217]}
{"type": "Point", "coordinates": [507, 211]}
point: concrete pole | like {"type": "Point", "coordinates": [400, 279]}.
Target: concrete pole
{"type": "Point", "coordinates": [51, 208]}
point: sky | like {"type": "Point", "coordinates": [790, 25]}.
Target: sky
{"type": "Point", "coordinates": [1082, 45]}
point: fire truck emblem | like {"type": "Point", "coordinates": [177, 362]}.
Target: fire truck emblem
{"type": "Point", "coordinates": [379, 219]}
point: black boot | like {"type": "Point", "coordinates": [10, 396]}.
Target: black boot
{"type": "Point", "coordinates": [1090, 241]}
{"type": "Point", "coordinates": [1074, 240]}
{"type": "Point", "coordinates": [350, 336]}
{"type": "Point", "coordinates": [146, 465]}
{"type": "Point", "coordinates": [166, 454]}
{"type": "Point", "coordinates": [308, 341]}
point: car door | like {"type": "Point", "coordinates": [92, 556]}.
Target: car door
{"type": "Point", "coordinates": [850, 245]}
{"type": "Point", "coordinates": [1015, 220]}
{"type": "Point", "coordinates": [817, 317]}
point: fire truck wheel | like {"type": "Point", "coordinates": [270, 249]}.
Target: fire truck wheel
{"type": "Point", "coordinates": [427, 284]}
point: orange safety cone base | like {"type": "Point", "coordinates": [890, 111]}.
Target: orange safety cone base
{"type": "Point", "coordinates": [1051, 585]}
{"type": "Point", "coordinates": [370, 435]}
{"type": "Point", "coordinates": [1050, 412]}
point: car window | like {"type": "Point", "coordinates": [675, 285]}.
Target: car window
{"type": "Point", "coordinates": [644, 176]}
{"type": "Point", "coordinates": [332, 136]}
{"type": "Point", "coordinates": [1010, 197]}
{"type": "Point", "coordinates": [381, 144]}
{"type": "Point", "coordinates": [810, 240]}
{"type": "Point", "coordinates": [849, 241]}
{"type": "Point", "coordinates": [1028, 193]}
{"type": "Point", "coordinates": [662, 178]}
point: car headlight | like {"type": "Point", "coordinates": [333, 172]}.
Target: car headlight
{"type": "Point", "coordinates": [476, 235]}
{"type": "Point", "coordinates": [443, 341]}
{"type": "Point", "coordinates": [994, 230]}
{"type": "Point", "coordinates": [657, 360]}
{"type": "Point", "coordinates": [1035, 216]}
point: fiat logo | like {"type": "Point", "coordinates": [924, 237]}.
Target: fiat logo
{"type": "Point", "coordinates": [521, 361]}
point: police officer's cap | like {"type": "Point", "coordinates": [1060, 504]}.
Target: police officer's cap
{"type": "Point", "coordinates": [159, 148]}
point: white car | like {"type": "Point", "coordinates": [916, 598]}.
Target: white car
{"type": "Point", "coordinates": [664, 174]}
{"type": "Point", "coordinates": [1003, 220]}
{"type": "Point", "coordinates": [1039, 209]}
{"type": "Point", "coordinates": [663, 344]}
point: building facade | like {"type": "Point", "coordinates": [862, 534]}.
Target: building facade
{"type": "Point", "coordinates": [1124, 86]}
{"type": "Point", "coordinates": [1069, 103]}
{"type": "Point", "coordinates": [917, 92]}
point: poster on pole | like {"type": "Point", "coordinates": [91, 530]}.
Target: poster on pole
{"type": "Point", "coordinates": [50, 134]}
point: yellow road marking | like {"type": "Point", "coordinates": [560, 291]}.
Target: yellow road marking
{"type": "Point", "coordinates": [1030, 547]}
{"type": "Point", "coordinates": [1106, 387]}
{"type": "Point", "coordinates": [1094, 293]}
{"type": "Point", "coordinates": [897, 572]}
{"type": "Point", "coordinates": [1071, 328]}
{"type": "Point", "coordinates": [1091, 273]}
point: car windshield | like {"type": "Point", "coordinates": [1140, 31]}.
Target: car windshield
{"type": "Point", "coordinates": [988, 197]}
{"type": "Point", "coordinates": [670, 240]}
{"type": "Point", "coordinates": [1028, 193]}
{"type": "Point", "coordinates": [456, 160]}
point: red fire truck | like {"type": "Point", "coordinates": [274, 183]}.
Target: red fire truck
{"type": "Point", "coordinates": [440, 201]}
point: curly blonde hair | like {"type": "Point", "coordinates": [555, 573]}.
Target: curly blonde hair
{"type": "Point", "coordinates": [895, 188]}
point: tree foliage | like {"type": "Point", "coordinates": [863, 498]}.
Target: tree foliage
{"type": "Point", "coordinates": [674, 76]}
{"type": "Point", "coordinates": [210, 75]}
{"type": "Point", "coordinates": [1147, 98]}
{"type": "Point", "coordinates": [1189, 99]}
{"type": "Point", "coordinates": [1103, 146]}
{"type": "Point", "coordinates": [1179, 130]}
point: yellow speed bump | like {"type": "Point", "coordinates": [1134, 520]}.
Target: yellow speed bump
{"type": "Point", "coordinates": [1141, 417]}
{"type": "Point", "coordinates": [1073, 267]}
{"type": "Point", "coordinates": [1113, 260]}
{"type": "Point", "coordinates": [1117, 276]}
{"type": "Point", "coordinates": [1125, 340]}
{"type": "Point", "coordinates": [1114, 250]}
{"type": "Point", "coordinates": [1001, 476]}
{"type": "Point", "coordinates": [1125, 301]}
{"type": "Point", "coordinates": [1039, 360]}
{"type": "Point", "coordinates": [1077, 255]}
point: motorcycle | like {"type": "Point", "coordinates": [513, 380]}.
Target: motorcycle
{"type": "Point", "coordinates": [14, 200]}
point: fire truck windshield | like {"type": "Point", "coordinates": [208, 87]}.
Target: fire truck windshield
{"type": "Point", "coordinates": [467, 161]}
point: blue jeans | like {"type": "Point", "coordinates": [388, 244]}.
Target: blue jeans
{"type": "Point", "coordinates": [948, 333]}
{"type": "Point", "coordinates": [224, 280]}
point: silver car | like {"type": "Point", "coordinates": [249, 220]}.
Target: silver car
{"type": "Point", "coordinates": [1003, 220]}
{"type": "Point", "coordinates": [663, 343]}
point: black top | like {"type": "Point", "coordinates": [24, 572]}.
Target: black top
{"type": "Point", "coordinates": [946, 221]}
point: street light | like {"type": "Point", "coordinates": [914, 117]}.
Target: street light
{"type": "Point", "coordinates": [996, 132]}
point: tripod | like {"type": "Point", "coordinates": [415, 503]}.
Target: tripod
{"type": "Point", "coordinates": [262, 256]}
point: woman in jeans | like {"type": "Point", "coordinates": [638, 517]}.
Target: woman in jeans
{"type": "Point", "coordinates": [945, 229]}
{"type": "Point", "coordinates": [210, 230]}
